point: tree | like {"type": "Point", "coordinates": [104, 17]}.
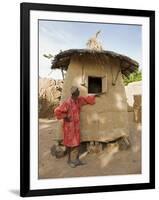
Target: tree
{"type": "Point", "coordinates": [133, 77]}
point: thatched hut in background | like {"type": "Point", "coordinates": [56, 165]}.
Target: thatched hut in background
{"type": "Point", "coordinates": [94, 70]}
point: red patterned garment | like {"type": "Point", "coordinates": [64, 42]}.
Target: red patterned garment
{"type": "Point", "coordinates": [71, 108]}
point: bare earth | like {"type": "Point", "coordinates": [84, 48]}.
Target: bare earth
{"type": "Point", "coordinates": [111, 161]}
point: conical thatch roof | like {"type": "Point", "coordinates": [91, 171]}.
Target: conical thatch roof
{"type": "Point", "coordinates": [62, 59]}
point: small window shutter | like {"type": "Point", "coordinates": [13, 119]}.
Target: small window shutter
{"type": "Point", "coordinates": [104, 84]}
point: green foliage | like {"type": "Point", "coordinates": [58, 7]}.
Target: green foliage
{"type": "Point", "coordinates": [133, 77]}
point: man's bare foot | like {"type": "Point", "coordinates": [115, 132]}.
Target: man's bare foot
{"type": "Point", "coordinates": [71, 164]}
{"type": "Point", "coordinates": [79, 162]}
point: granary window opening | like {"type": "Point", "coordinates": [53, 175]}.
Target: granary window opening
{"type": "Point", "coordinates": [94, 85]}
{"type": "Point", "coordinates": [97, 84]}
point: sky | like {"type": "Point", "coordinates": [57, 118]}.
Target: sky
{"type": "Point", "coordinates": [59, 35]}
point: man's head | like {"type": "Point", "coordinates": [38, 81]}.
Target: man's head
{"type": "Point", "coordinates": [75, 92]}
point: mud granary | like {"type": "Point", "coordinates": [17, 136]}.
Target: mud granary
{"type": "Point", "coordinates": [97, 71]}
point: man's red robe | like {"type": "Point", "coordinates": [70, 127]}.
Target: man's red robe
{"type": "Point", "coordinates": [71, 109]}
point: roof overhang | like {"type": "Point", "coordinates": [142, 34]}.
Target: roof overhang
{"type": "Point", "coordinates": [62, 59]}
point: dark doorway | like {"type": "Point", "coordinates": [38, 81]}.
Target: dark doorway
{"type": "Point", "coordinates": [94, 84]}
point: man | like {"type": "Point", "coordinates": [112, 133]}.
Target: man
{"type": "Point", "coordinates": [69, 111]}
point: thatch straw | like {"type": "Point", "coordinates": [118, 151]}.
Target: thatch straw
{"type": "Point", "coordinates": [62, 59]}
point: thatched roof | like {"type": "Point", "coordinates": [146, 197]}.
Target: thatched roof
{"type": "Point", "coordinates": [62, 59]}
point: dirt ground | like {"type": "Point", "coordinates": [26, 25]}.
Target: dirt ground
{"type": "Point", "coordinates": [111, 161]}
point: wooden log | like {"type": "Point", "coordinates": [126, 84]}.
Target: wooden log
{"type": "Point", "coordinates": [137, 108]}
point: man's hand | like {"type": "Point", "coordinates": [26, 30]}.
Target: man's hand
{"type": "Point", "coordinates": [67, 119]}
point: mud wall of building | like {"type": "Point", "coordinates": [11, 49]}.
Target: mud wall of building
{"type": "Point", "coordinates": [107, 119]}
